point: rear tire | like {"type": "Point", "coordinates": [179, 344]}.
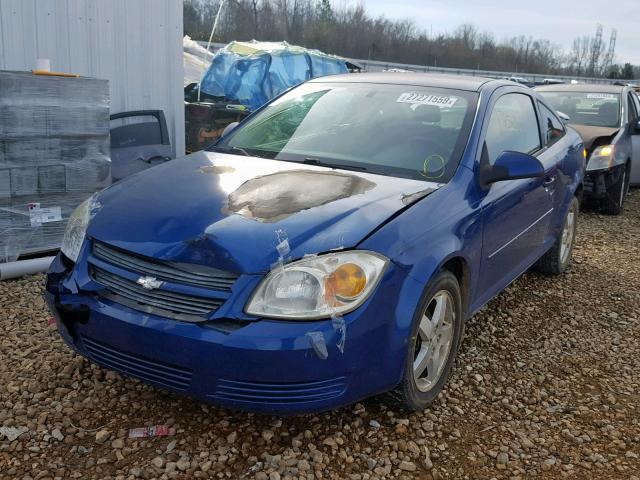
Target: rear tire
{"type": "Point", "coordinates": [557, 259]}
{"type": "Point", "coordinates": [613, 203]}
{"type": "Point", "coordinates": [436, 334]}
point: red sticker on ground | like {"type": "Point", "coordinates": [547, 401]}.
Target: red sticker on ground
{"type": "Point", "coordinates": [154, 431]}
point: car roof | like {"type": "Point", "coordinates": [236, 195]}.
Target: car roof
{"type": "Point", "coordinates": [582, 87]}
{"type": "Point", "coordinates": [457, 82]}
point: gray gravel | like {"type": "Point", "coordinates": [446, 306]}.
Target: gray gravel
{"type": "Point", "coordinates": [546, 386]}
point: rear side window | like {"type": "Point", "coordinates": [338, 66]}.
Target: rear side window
{"type": "Point", "coordinates": [513, 126]}
{"type": "Point", "coordinates": [552, 127]}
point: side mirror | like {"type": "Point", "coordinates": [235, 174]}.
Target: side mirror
{"type": "Point", "coordinates": [229, 127]}
{"type": "Point", "coordinates": [563, 116]}
{"type": "Point", "coordinates": [511, 166]}
{"type": "Point", "coordinates": [635, 128]}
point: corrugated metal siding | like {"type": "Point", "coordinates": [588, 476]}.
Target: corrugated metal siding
{"type": "Point", "coordinates": [135, 44]}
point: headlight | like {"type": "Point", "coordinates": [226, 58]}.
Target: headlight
{"type": "Point", "coordinates": [76, 228]}
{"type": "Point", "coordinates": [318, 287]}
{"type": "Point", "coordinates": [601, 158]}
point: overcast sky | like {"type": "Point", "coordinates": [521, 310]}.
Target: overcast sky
{"type": "Point", "coordinates": [557, 20]}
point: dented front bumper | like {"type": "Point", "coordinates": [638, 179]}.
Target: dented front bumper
{"type": "Point", "coordinates": [598, 182]}
{"type": "Point", "coordinates": [262, 365]}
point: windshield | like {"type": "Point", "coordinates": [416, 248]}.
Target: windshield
{"type": "Point", "coordinates": [397, 130]}
{"type": "Point", "coordinates": [583, 108]}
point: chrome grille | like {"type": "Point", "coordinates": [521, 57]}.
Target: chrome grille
{"type": "Point", "coordinates": [167, 271]}
{"type": "Point", "coordinates": [161, 302]}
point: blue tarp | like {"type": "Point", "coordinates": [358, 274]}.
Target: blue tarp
{"type": "Point", "coordinates": [252, 73]}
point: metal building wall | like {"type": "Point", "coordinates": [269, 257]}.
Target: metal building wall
{"type": "Point", "coordinates": [135, 44]}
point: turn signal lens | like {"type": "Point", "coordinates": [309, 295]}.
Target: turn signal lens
{"type": "Point", "coordinates": [346, 282]}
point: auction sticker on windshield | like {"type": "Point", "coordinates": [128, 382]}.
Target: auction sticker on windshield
{"type": "Point", "coordinates": [444, 101]}
{"type": "Point", "coordinates": [603, 96]}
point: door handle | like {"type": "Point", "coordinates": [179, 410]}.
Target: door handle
{"type": "Point", "coordinates": [549, 181]}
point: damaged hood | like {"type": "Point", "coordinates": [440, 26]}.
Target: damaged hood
{"type": "Point", "coordinates": [591, 134]}
{"type": "Point", "coordinates": [242, 214]}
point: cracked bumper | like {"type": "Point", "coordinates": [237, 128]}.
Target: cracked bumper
{"type": "Point", "coordinates": [597, 182]}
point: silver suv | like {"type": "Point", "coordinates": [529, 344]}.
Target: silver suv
{"type": "Point", "coordinates": [607, 117]}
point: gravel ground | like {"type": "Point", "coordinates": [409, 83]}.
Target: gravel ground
{"type": "Point", "coordinates": [546, 386]}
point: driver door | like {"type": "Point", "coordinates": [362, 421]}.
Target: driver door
{"type": "Point", "coordinates": [516, 213]}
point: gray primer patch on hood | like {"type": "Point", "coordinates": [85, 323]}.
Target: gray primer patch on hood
{"type": "Point", "coordinates": [270, 198]}
{"type": "Point", "coordinates": [409, 198]}
{"type": "Point", "coordinates": [216, 169]}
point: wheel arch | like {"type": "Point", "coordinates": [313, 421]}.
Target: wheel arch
{"type": "Point", "coordinates": [579, 193]}
{"type": "Point", "coordinates": [459, 267]}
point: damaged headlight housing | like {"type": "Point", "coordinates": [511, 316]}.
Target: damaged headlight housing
{"type": "Point", "coordinates": [77, 227]}
{"type": "Point", "coordinates": [318, 287]}
{"type": "Point", "coordinates": [601, 158]}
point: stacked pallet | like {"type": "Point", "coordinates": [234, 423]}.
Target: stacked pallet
{"type": "Point", "coordinates": [54, 153]}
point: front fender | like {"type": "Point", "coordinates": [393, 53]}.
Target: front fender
{"type": "Point", "coordinates": [416, 281]}
{"type": "Point", "coordinates": [574, 166]}
{"type": "Point", "coordinates": [424, 238]}
{"type": "Point", "coordinates": [422, 270]}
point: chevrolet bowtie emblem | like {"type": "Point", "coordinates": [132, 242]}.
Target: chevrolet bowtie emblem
{"type": "Point", "coordinates": [149, 283]}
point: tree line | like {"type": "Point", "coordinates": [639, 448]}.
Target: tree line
{"type": "Point", "coordinates": [350, 31]}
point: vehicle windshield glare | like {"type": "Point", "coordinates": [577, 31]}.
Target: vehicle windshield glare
{"type": "Point", "coordinates": [396, 130]}
{"type": "Point", "coordinates": [587, 108]}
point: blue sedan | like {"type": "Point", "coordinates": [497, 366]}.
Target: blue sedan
{"type": "Point", "coordinates": [328, 248]}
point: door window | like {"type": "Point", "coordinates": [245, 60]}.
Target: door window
{"type": "Point", "coordinates": [631, 106]}
{"type": "Point", "coordinates": [636, 101]}
{"type": "Point", "coordinates": [552, 127]}
{"type": "Point", "coordinates": [513, 126]}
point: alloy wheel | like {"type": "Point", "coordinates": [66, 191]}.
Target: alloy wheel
{"type": "Point", "coordinates": [433, 341]}
{"type": "Point", "coordinates": [568, 235]}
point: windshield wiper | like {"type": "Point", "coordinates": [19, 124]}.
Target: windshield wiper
{"type": "Point", "coordinates": [232, 150]}
{"type": "Point", "coordinates": [320, 163]}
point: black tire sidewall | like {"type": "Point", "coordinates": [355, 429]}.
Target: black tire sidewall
{"type": "Point", "coordinates": [622, 191]}
{"type": "Point", "coordinates": [416, 399]}
{"type": "Point", "coordinates": [612, 203]}
{"type": "Point", "coordinates": [627, 181]}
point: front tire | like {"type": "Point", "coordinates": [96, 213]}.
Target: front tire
{"type": "Point", "coordinates": [557, 259]}
{"type": "Point", "coordinates": [435, 337]}
{"type": "Point", "coordinates": [613, 203]}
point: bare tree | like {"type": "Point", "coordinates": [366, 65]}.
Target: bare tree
{"type": "Point", "coordinates": [579, 56]}
{"type": "Point", "coordinates": [350, 31]}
